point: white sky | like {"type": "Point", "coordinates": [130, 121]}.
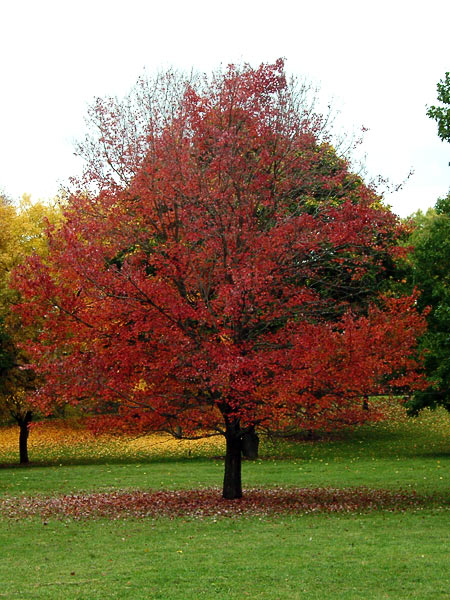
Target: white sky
{"type": "Point", "coordinates": [379, 60]}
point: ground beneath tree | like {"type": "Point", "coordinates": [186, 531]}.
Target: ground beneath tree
{"type": "Point", "coordinates": [209, 503]}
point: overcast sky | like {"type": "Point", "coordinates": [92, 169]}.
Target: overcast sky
{"type": "Point", "coordinates": [379, 62]}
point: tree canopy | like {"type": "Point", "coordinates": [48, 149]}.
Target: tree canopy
{"type": "Point", "coordinates": [228, 279]}
{"type": "Point", "coordinates": [430, 273]}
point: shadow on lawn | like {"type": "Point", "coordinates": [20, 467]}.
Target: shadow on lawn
{"type": "Point", "coordinates": [432, 454]}
{"type": "Point", "coordinates": [116, 460]}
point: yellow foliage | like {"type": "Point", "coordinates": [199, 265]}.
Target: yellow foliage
{"type": "Point", "coordinates": [141, 386]}
{"type": "Point", "coordinates": [22, 233]}
{"type": "Point", "coordinates": [58, 440]}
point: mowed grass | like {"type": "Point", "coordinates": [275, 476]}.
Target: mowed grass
{"type": "Point", "coordinates": [351, 557]}
{"type": "Point", "coordinates": [325, 556]}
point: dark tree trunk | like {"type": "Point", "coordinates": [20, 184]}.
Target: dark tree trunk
{"type": "Point", "coordinates": [232, 482]}
{"type": "Point", "coordinates": [250, 443]}
{"type": "Point", "coordinates": [24, 423]}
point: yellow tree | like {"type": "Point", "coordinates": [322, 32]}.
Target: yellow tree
{"type": "Point", "coordinates": [22, 233]}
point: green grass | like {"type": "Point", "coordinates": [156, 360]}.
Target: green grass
{"type": "Point", "coordinates": [372, 556]}
{"type": "Point", "coordinates": [357, 557]}
{"type": "Point", "coordinates": [427, 475]}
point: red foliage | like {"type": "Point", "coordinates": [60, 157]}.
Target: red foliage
{"type": "Point", "coordinates": [208, 503]}
{"type": "Point", "coordinates": [231, 283]}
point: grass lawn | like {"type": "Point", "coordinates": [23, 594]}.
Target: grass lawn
{"type": "Point", "coordinates": [381, 555]}
{"type": "Point", "coordinates": [328, 556]}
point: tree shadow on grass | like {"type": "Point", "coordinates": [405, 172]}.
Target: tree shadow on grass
{"type": "Point", "coordinates": [128, 460]}
{"type": "Point", "coordinates": [444, 454]}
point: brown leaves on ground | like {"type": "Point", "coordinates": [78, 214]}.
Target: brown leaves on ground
{"type": "Point", "coordinates": [207, 503]}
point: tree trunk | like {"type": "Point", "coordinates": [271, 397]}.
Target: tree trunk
{"type": "Point", "coordinates": [250, 443]}
{"type": "Point", "coordinates": [232, 482]}
{"type": "Point", "coordinates": [23, 436]}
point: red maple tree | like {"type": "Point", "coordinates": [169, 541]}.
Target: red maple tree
{"type": "Point", "coordinates": [230, 283]}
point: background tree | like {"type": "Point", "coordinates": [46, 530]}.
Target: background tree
{"type": "Point", "coordinates": [229, 283]}
{"type": "Point", "coordinates": [441, 114]}
{"type": "Point", "coordinates": [15, 383]}
{"type": "Point", "coordinates": [429, 272]}
{"type": "Point", "coordinates": [22, 232]}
